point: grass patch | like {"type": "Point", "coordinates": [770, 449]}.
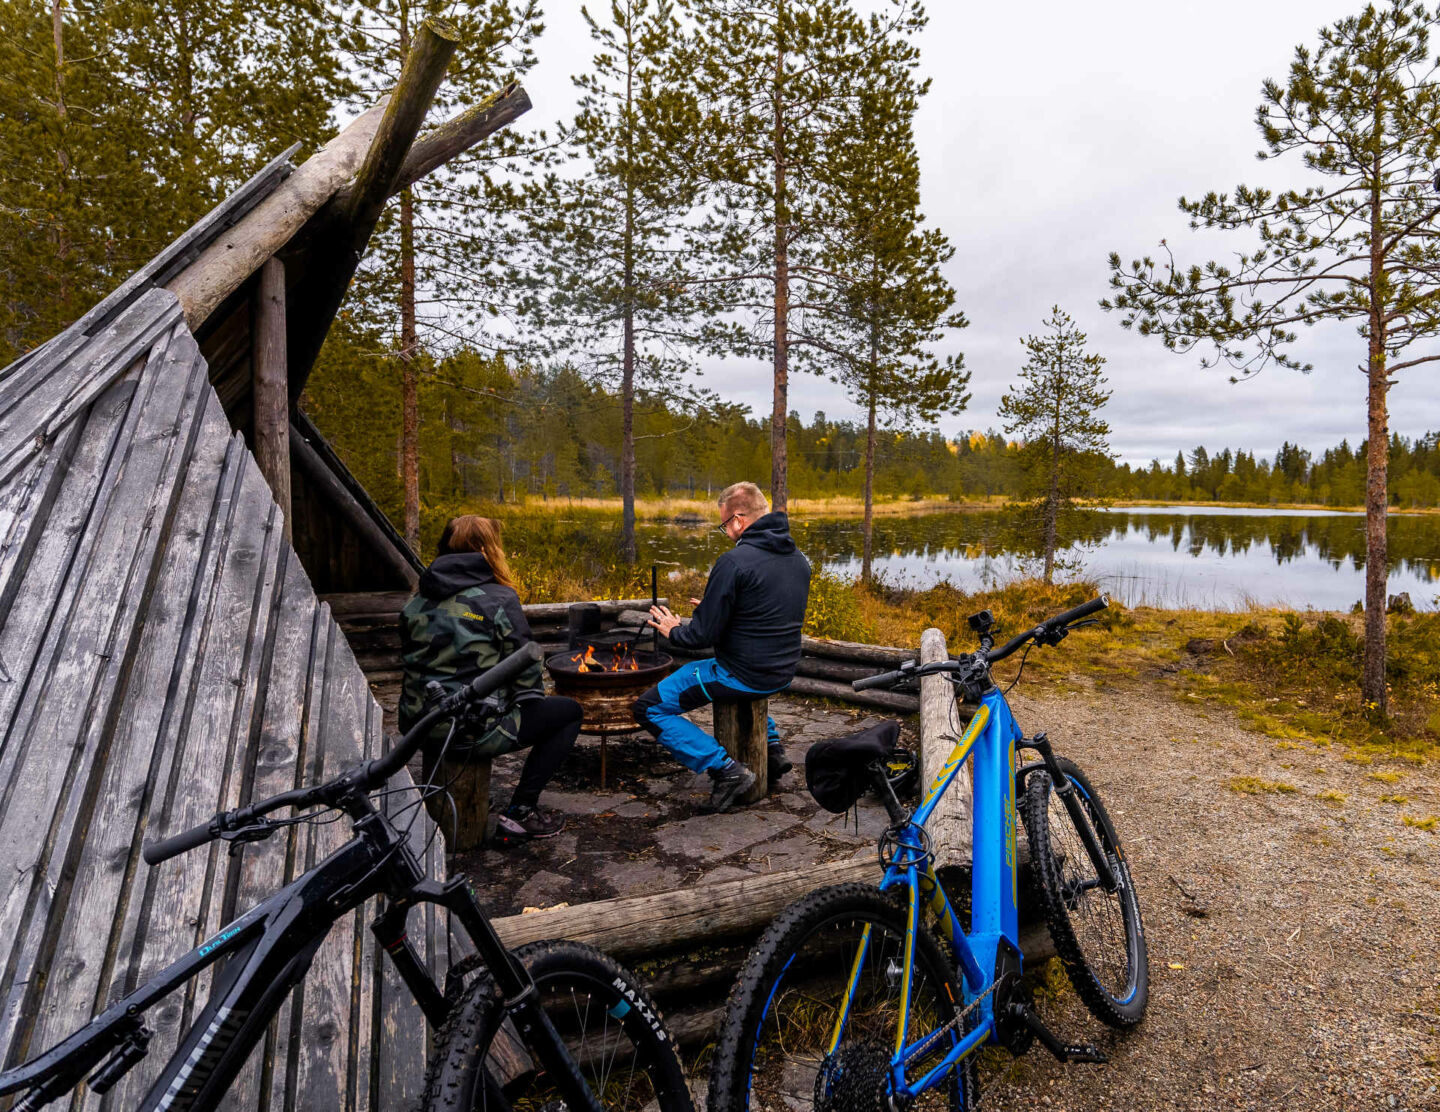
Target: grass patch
{"type": "Point", "coordinates": [1330, 795]}
{"type": "Point", "coordinates": [1430, 823]}
{"type": "Point", "coordinates": [1387, 777]}
{"type": "Point", "coordinates": [1253, 785]}
{"type": "Point", "coordinates": [1394, 799]}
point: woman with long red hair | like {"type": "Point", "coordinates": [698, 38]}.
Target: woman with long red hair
{"type": "Point", "coordinates": [465, 618]}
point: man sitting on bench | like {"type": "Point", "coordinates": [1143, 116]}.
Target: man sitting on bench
{"type": "Point", "coordinates": [752, 613]}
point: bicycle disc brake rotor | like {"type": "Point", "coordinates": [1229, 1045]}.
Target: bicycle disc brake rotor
{"type": "Point", "coordinates": [853, 1079]}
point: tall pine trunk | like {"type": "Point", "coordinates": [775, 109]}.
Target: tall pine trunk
{"type": "Point", "coordinates": [1052, 508]}
{"type": "Point", "coordinates": [780, 410]}
{"type": "Point", "coordinates": [1372, 678]}
{"type": "Point", "coordinates": [627, 441]}
{"type": "Point", "coordinates": [409, 378]}
{"type": "Point", "coordinates": [1377, 463]}
{"type": "Point", "coordinates": [627, 372]}
{"type": "Point", "coordinates": [62, 234]}
{"type": "Point", "coordinates": [868, 529]}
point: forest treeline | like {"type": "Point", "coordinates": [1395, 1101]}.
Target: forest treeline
{"type": "Point", "coordinates": [498, 433]}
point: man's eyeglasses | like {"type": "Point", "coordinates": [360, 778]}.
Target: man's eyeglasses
{"type": "Point", "coordinates": [728, 520]}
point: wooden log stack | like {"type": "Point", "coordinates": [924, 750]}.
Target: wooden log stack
{"type": "Point", "coordinates": [826, 668]}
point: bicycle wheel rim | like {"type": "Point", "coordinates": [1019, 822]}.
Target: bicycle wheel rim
{"type": "Point", "coordinates": [610, 1032]}
{"type": "Point", "coordinates": [797, 1060]}
{"type": "Point", "coordinates": [1105, 925]}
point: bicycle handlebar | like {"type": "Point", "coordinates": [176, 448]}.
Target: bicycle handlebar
{"type": "Point", "coordinates": [1048, 627]}
{"type": "Point", "coordinates": [1044, 631]}
{"type": "Point", "coordinates": [362, 778]}
{"type": "Point", "coordinates": [884, 679]}
{"type": "Point", "coordinates": [166, 848]}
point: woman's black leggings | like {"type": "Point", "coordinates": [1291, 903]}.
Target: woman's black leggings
{"type": "Point", "coordinates": [548, 728]}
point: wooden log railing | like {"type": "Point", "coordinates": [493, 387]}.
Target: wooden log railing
{"type": "Point", "coordinates": [950, 825]}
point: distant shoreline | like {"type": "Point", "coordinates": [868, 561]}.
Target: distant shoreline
{"type": "Point", "coordinates": [843, 506]}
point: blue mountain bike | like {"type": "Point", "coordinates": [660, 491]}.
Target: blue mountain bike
{"type": "Point", "coordinates": [850, 1003]}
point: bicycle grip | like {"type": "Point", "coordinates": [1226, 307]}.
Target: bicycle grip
{"type": "Point", "coordinates": [166, 848]}
{"type": "Point", "coordinates": [884, 679]}
{"type": "Point", "coordinates": [507, 671]}
{"type": "Point", "coordinates": [1084, 610]}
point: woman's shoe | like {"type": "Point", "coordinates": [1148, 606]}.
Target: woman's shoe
{"type": "Point", "coordinates": [520, 824]}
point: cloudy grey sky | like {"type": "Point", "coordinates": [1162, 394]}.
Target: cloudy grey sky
{"type": "Point", "coordinates": [1054, 133]}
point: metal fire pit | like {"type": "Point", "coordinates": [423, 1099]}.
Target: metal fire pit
{"type": "Point", "coordinates": [605, 697]}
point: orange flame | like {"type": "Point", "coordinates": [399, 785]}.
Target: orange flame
{"type": "Point", "coordinates": [621, 660]}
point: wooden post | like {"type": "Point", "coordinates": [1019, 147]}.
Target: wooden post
{"type": "Point", "coordinates": [740, 729]}
{"type": "Point", "coordinates": [950, 826]}
{"type": "Point", "coordinates": [468, 785]}
{"type": "Point", "coordinates": [270, 402]}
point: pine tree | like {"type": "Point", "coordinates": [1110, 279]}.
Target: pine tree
{"type": "Point", "coordinates": [121, 124]}
{"type": "Point", "coordinates": [607, 279]}
{"type": "Point", "coordinates": [1054, 409]}
{"type": "Point", "coordinates": [881, 266]}
{"type": "Point", "coordinates": [1362, 112]}
{"type": "Point", "coordinates": [775, 82]}
{"type": "Point", "coordinates": [435, 258]}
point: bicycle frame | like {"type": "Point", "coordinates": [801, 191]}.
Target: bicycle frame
{"type": "Point", "coordinates": [989, 742]}
{"type": "Point", "coordinates": [266, 953]}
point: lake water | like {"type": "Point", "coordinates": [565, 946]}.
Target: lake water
{"type": "Point", "coordinates": [1166, 556]}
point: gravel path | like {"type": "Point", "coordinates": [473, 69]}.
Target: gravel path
{"type": "Point", "coordinates": [1294, 934]}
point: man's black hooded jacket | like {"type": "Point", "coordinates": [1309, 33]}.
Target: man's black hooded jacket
{"type": "Point", "coordinates": [754, 607]}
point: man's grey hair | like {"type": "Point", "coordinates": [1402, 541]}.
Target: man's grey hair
{"type": "Point", "coordinates": [742, 498]}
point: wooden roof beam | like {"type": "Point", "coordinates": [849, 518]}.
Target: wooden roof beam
{"type": "Point", "coordinates": [240, 251]}
{"type": "Point", "coordinates": [454, 137]}
{"type": "Point", "coordinates": [420, 79]}
{"type": "Point", "coordinates": [343, 231]}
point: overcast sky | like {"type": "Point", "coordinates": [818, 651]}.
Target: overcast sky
{"type": "Point", "coordinates": [1054, 133]}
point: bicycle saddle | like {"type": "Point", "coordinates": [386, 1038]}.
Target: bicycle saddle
{"type": "Point", "coordinates": [837, 770]}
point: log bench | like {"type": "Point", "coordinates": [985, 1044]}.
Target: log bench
{"type": "Point", "coordinates": [466, 780]}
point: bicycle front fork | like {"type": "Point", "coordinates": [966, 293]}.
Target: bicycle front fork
{"type": "Point", "coordinates": [516, 995]}
{"type": "Point", "coordinates": [1065, 789]}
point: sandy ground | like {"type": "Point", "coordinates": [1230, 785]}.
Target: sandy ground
{"type": "Point", "coordinates": [1294, 939]}
{"type": "Point", "coordinates": [1294, 935]}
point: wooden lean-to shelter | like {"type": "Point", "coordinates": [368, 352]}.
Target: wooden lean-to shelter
{"type": "Point", "coordinates": [168, 516]}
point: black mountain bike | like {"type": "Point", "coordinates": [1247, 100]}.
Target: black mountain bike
{"type": "Point", "coordinates": [549, 1025]}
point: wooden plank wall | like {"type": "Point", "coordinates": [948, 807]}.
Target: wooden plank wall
{"type": "Point", "coordinates": [162, 656]}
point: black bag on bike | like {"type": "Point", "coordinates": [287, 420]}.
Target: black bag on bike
{"type": "Point", "coordinates": [837, 769]}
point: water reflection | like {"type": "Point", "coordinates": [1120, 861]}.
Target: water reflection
{"type": "Point", "coordinates": [1216, 558]}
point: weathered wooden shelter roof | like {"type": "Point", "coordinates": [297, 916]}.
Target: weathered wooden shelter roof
{"type": "Point", "coordinates": [163, 656]}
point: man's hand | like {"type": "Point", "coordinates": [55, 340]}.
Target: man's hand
{"type": "Point", "coordinates": [663, 619]}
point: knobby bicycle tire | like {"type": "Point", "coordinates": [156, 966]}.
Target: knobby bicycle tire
{"type": "Point", "coordinates": [1099, 935]}
{"type": "Point", "coordinates": [801, 961]}
{"type": "Point", "coordinates": [630, 1062]}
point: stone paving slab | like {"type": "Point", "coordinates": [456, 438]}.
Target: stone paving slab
{"type": "Point", "coordinates": [648, 831]}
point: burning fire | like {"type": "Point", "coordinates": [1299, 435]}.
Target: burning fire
{"type": "Point", "coordinates": [621, 660]}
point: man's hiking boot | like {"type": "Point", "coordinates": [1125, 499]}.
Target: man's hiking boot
{"type": "Point", "coordinates": [728, 784]}
{"type": "Point", "coordinates": [520, 824]}
{"type": "Point", "coordinates": [777, 764]}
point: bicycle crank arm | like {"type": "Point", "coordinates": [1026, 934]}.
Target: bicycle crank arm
{"type": "Point", "coordinates": [1063, 1052]}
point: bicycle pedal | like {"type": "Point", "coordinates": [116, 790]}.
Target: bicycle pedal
{"type": "Point", "coordinates": [1085, 1052]}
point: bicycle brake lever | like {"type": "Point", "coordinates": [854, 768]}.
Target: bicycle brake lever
{"type": "Point", "coordinates": [256, 832]}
